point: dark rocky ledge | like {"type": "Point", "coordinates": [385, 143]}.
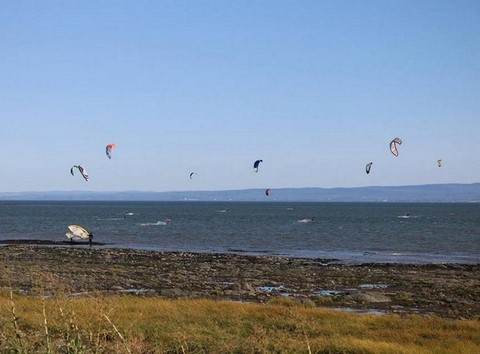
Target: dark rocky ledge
{"type": "Point", "coordinates": [447, 290]}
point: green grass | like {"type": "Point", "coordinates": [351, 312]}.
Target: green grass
{"type": "Point", "coordinates": [129, 324]}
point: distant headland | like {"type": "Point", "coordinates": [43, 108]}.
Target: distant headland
{"type": "Point", "coordinates": [412, 193]}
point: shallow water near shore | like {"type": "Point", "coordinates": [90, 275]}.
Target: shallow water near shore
{"type": "Point", "coordinates": [416, 233]}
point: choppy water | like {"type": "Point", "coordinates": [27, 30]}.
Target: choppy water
{"type": "Point", "coordinates": [352, 232]}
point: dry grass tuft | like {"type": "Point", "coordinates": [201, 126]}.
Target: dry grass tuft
{"type": "Point", "coordinates": [128, 324]}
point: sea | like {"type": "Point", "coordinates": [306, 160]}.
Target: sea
{"type": "Point", "coordinates": [413, 233]}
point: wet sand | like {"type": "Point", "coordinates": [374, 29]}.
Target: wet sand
{"type": "Point", "coordinates": [451, 290]}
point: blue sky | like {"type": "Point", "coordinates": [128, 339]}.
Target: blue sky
{"type": "Point", "coordinates": [314, 88]}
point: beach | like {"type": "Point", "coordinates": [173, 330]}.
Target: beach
{"type": "Point", "coordinates": [446, 290]}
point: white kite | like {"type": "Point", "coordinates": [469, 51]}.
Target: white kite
{"type": "Point", "coordinates": [79, 233]}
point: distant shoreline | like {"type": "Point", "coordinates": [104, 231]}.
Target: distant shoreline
{"type": "Point", "coordinates": [428, 193]}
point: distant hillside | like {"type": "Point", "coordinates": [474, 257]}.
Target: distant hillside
{"type": "Point", "coordinates": [418, 193]}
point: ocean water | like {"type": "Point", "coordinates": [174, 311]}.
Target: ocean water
{"type": "Point", "coordinates": [349, 232]}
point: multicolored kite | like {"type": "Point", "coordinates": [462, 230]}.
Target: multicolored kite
{"type": "Point", "coordinates": [108, 150]}
{"type": "Point", "coordinates": [393, 146]}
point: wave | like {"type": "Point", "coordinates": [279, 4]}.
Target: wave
{"type": "Point", "coordinates": [158, 223]}
{"type": "Point", "coordinates": [305, 221]}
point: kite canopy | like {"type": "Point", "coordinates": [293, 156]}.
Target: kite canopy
{"type": "Point", "coordinates": [440, 163]}
{"type": "Point", "coordinates": [368, 167]}
{"type": "Point", "coordinates": [393, 146]}
{"type": "Point", "coordinates": [191, 174]}
{"type": "Point", "coordinates": [108, 150]}
{"type": "Point", "coordinates": [78, 233]}
{"type": "Point", "coordinates": [267, 192]}
{"type": "Point", "coordinates": [82, 171]}
{"type": "Point", "coordinates": [255, 165]}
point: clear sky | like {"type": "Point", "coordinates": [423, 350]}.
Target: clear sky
{"type": "Point", "coordinates": [314, 88]}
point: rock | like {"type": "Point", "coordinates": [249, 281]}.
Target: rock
{"type": "Point", "coordinates": [369, 297]}
{"type": "Point", "coordinates": [246, 288]}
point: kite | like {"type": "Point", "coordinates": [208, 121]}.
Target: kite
{"type": "Point", "coordinates": [79, 233]}
{"type": "Point", "coordinates": [82, 171]}
{"type": "Point", "coordinates": [440, 163]}
{"type": "Point", "coordinates": [267, 192]}
{"type": "Point", "coordinates": [191, 174]}
{"type": "Point", "coordinates": [368, 167]}
{"type": "Point", "coordinates": [255, 165]}
{"type": "Point", "coordinates": [108, 150]}
{"type": "Point", "coordinates": [393, 146]}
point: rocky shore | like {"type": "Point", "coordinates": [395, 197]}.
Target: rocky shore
{"type": "Point", "coordinates": [447, 290]}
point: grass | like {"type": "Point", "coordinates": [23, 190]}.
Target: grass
{"type": "Point", "coordinates": [129, 324]}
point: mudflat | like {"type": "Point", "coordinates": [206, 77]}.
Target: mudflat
{"type": "Point", "coordinates": [446, 290]}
